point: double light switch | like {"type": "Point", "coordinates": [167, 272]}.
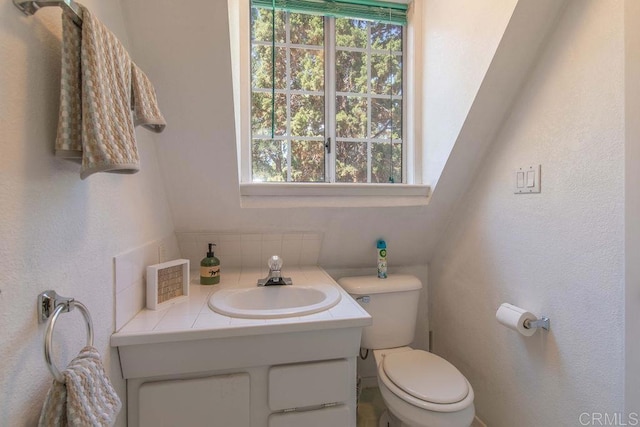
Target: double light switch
{"type": "Point", "coordinates": [527, 180]}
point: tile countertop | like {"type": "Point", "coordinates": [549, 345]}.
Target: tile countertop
{"type": "Point", "coordinates": [192, 319]}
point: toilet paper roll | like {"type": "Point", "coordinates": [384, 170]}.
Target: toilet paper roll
{"type": "Point", "coordinates": [513, 318]}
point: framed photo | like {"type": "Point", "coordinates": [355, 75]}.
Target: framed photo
{"type": "Point", "coordinates": [167, 283]}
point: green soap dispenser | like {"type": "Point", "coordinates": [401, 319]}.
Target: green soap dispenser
{"type": "Point", "coordinates": [210, 268]}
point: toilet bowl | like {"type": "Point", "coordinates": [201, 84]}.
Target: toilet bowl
{"type": "Point", "coordinates": [421, 389]}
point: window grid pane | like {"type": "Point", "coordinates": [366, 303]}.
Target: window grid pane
{"type": "Point", "coordinates": [307, 160]}
{"type": "Point", "coordinates": [269, 160]}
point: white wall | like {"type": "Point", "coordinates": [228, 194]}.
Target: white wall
{"type": "Point", "coordinates": [56, 231]}
{"type": "Point", "coordinates": [463, 146]}
{"type": "Point", "coordinates": [189, 58]}
{"type": "Point", "coordinates": [191, 64]}
{"type": "Point", "coordinates": [460, 39]}
{"type": "Point", "coordinates": [632, 205]}
{"type": "Point", "coordinates": [559, 253]}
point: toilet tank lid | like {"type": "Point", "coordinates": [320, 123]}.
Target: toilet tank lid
{"type": "Point", "coordinates": [361, 285]}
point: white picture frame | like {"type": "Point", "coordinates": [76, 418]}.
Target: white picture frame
{"type": "Point", "coordinates": [167, 283]}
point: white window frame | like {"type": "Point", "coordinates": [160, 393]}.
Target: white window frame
{"type": "Point", "coordinates": [293, 194]}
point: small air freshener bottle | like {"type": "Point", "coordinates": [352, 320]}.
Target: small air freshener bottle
{"type": "Point", "coordinates": [382, 259]}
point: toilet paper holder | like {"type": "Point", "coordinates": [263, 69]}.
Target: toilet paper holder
{"type": "Point", "coordinates": [542, 322]}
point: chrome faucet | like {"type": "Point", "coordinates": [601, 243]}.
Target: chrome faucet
{"type": "Point", "coordinates": [275, 276]}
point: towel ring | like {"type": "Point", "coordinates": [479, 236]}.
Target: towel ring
{"type": "Point", "coordinates": [48, 300]}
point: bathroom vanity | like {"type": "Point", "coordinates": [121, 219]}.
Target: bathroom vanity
{"type": "Point", "coordinates": [190, 365]}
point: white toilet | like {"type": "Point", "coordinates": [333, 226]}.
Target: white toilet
{"type": "Point", "coordinates": [419, 388]}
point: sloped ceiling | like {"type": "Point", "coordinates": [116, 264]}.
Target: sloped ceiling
{"type": "Point", "coordinates": [185, 50]}
{"type": "Point", "coordinates": [514, 57]}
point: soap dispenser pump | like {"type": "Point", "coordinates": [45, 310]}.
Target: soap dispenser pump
{"type": "Point", "coordinates": [210, 268]}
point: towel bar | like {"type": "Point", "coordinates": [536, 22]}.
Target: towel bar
{"type": "Point", "coordinates": [71, 8]}
{"type": "Point", "coordinates": [50, 305]}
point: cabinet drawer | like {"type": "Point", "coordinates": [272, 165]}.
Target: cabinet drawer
{"type": "Point", "coordinates": [308, 384]}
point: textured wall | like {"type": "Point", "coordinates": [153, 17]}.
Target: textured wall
{"type": "Point", "coordinates": [558, 253]}
{"type": "Point", "coordinates": [632, 205]}
{"type": "Point", "coordinates": [460, 38]}
{"type": "Point", "coordinates": [192, 65]}
{"type": "Point", "coordinates": [57, 232]}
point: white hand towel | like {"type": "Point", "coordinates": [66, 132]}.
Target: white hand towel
{"type": "Point", "coordinates": [87, 397]}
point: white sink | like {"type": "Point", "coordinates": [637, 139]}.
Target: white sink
{"type": "Point", "coordinates": [272, 302]}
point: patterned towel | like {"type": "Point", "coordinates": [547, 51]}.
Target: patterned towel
{"type": "Point", "coordinates": [145, 106]}
{"type": "Point", "coordinates": [69, 138]}
{"type": "Point", "coordinates": [85, 399]}
{"type": "Point", "coordinates": [100, 86]}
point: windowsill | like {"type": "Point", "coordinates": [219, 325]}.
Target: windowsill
{"type": "Point", "coordinates": [295, 195]}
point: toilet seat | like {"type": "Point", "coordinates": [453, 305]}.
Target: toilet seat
{"type": "Point", "coordinates": [425, 380]}
{"type": "Point", "coordinates": [426, 376]}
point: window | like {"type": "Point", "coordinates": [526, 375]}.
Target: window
{"type": "Point", "coordinates": [327, 91]}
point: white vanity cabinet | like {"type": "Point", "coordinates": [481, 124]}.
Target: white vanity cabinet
{"type": "Point", "coordinates": [227, 372]}
{"type": "Point", "coordinates": [294, 389]}
{"type": "Point", "coordinates": [302, 394]}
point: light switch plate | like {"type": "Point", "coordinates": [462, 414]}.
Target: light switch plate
{"type": "Point", "coordinates": [527, 180]}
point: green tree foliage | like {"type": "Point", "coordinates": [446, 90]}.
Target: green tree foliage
{"type": "Point", "coordinates": [368, 102]}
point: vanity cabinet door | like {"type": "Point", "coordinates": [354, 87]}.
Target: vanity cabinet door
{"type": "Point", "coordinates": [308, 384]}
{"type": "Point", "coordinates": [217, 401]}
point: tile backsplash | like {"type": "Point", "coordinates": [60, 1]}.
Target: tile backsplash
{"type": "Point", "coordinates": [130, 272]}
{"type": "Point", "coordinates": [233, 249]}
{"type": "Point", "coordinates": [251, 250]}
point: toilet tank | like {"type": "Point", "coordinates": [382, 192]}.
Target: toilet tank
{"type": "Point", "coordinates": [392, 304]}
